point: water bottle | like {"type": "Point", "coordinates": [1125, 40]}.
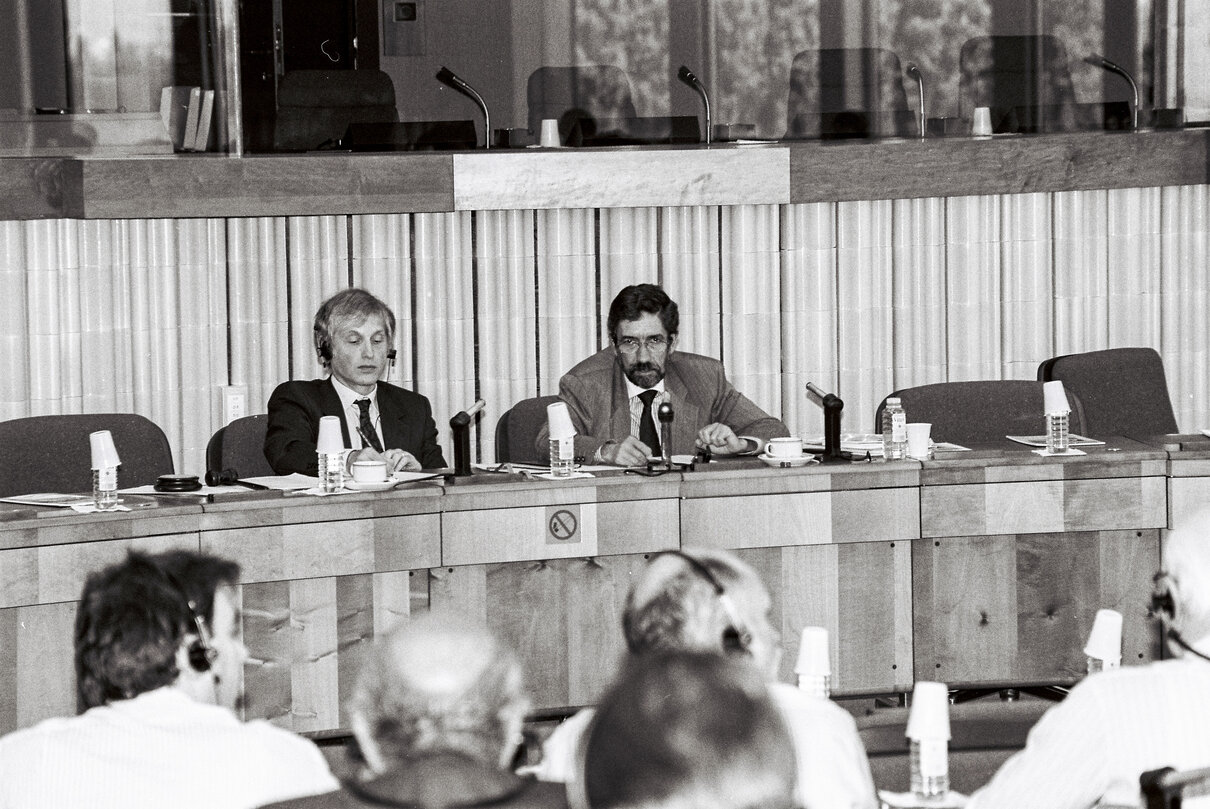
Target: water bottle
{"type": "Point", "coordinates": [331, 472]}
{"type": "Point", "coordinates": [930, 768]}
{"type": "Point", "coordinates": [105, 488]}
{"type": "Point", "coordinates": [894, 430]}
{"type": "Point", "coordinates": [562, 456]}
{"type": "Point", "coordinates": [815, 685]}
{"type": "Point", "coordinates": [1056, 432]}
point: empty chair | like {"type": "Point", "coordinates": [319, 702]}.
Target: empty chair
{"type": "Point", "coordinates": [578, 93]}
{"type": "Point", "coordinates": [1024, 80]}
{"type": "Point", "coordinates": [838, 92]}
{"type": "Point", "coordinates": [1123, 390]}
{"type": "Point", "coordinates": [315, 107]}
{"type": "Point", "coordinates": [518, 429]}
{"type": "Point", "coordinates": [984, 734]}
{"type": "Point", "coordinates": [240, 447]}
{"type": "Point", "coordinates": [53, 453]}
{"type": "Point", "coordinates": [981, 412]}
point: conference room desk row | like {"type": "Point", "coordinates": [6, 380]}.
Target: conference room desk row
{"type": "Point", "coordinates": [979, 567]}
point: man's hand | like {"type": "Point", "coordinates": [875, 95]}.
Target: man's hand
{"type": "Point", "coordinates": [397, 460]}
{"type": "Point", "coordinates": [630, 452]}
{"type": "Point", "coordinates": [721, 440]}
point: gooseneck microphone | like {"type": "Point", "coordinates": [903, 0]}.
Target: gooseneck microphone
{"type": "Point", "coordinates": [1113, 67]}
{"type": "Point", "coordinates": [664, 415]}
{"type": "Point", "coordinates": [686, 75]}
{"type": "Point", "coordinates": [914, 72]}
{"type": "Point", "coordinates": [450, 79]}
{"type": "Point", "coordinates": [460, 427]}
{"type": "Point", "coordinates": [832, 408]}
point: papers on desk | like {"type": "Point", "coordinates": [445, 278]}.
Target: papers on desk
{"type": "Point", "coordinates": [50, 499]}
{"type": "Point", "coordinates": [1073, 440]}
{"type": "Point", "coordinates": [908, 800]}
{"type": "Point", "coordinates": [1206, 433]}
{"type": "Point", "coordinates": [849, 442]}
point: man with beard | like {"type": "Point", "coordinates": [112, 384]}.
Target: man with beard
{"type": "Point", "coordinates": [614, 395]}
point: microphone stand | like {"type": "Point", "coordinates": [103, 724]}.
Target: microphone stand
{"type": "Point", "coordinates": [686, 75]}
{"type": "Point", "coordinates": [448, 78]}
{"type": "Point", "coordinates": [832, 407]}
{"type": "Point", "coordinates": [460, 425]}
{"type": "Point", "coordinates": [1113, 67]}
{"type": "Point", "coordinates": [914, 72]}
{"type": "Point", "coordinates": [664, 414]}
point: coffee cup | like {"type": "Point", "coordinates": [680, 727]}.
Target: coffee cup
{"type": "Point", "coordinates": [789, 447]}
{"type": "Point", "coordinates": [369, 471]}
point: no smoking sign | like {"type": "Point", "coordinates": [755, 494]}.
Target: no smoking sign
{"type": "Point", "coordinates": [563, 525]}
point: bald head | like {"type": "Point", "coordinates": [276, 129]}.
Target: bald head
{"type": "Point", "coordinates": [440, 684]}
{"type": "Point", "coordinates": [1187, 565]}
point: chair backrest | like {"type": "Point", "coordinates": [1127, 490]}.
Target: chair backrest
{"type": "Point", "coordinates": [984, 733]}
{"type": "Point", "coordinates": [1123, 390]}
{"type": "Point", "coordinates": [518, 428]}
{"type": "Point", "coordinates": [981, 412]}
{"type": "Point", "coordinates": [1007, 72]}
{"type": "Point", "coordinates": [240, 446]}
{"type": "Point", "coordinates": [317, 106]}
{"type": "Point", "coordinates": [53, 453]}
{"type": "Point", "coordinates": [862, 83]}
{"type": "Point", "coordinates": [581, 92]}
{"type": "Point", "coordinates": [1166, 788]}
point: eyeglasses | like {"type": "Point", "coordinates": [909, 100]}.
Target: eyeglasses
{"type": "Point", "coordinates": [655, 343]}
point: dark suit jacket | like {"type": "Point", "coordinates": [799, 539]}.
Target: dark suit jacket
{"type": "Point", "coordinates": [439, 781]}
{"type": "Point", "coordinates": [296, 407]}
{"type": "Point", "coordinates": [595, 392]}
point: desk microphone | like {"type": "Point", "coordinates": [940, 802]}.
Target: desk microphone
{"type": "Point", "coordinates": [450, 79]}
{"type": "Point", "coordinates": [686, 75]}
{"type": "Point", "coordinates": [664, 414]}
{"type": "Point", "coordinates": [914, 72]}
{"type": "Point", "coordinates": [460, 426]}
{"type": "Point", "coordinates": [1113, 67]}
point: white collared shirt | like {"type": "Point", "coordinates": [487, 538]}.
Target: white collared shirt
{"type": "Point", "coordinates": [352, 413]}
{"type": "Point", "coordinates": [159, 749]}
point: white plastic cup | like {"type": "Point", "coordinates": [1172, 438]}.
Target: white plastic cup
{"type": "Point", "coordinates": [369, 471]}
{"type": "Point", "coordinates": [981, 125]}
{"type": "Point", "coordinates": [919, 445]}
{"type": "Point", "coordinates": [104, 453]}
{"type": "Point", "coordinates": [558, 420]}
{"type": "Point", "coordinates": [786, 447]}
{"type": "Point", "coordinates": [330, 440]}
{"type": "Point", "coordinates": [814, 658]}
{"type": "Point", "coordinates": [1054, 398]}
{"type": "Point", "coordinates": [930, 714]}
{"type": "Point", "coordinates": [550, 133]}
{"type": "Point", "coordinates": [1105, 641]}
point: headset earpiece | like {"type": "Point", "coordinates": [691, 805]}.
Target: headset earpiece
{"type": "Point", "coordinates": [1163, 602]}
{"type": "Point", "coordinates": [323, 348]}
{"type": "Point", "coordinates": [201, 651]}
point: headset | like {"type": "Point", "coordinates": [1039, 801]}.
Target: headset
{"type": "Point", "coordinates": [736, 638]}
{"type": "Point", "coordinates": [201, 651]}
{"type": "Point", "coordinates": [1163, 606]}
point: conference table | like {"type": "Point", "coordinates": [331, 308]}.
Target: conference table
{"type": "Point", "coordinates": [973, 568]}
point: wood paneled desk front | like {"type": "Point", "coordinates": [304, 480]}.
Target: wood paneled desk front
{"type": "Point", "coordinates": [978, 567]}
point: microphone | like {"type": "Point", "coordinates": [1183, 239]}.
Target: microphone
{"type": "Point", "coordinates": [1113, 67]}
{"type": "Point", "coordinates": [832, 407]}
{"type": "Point", "coordinates": [914, 72]}
{"type": "Point", "coordinates": [460, 426]}
{"type": "Point", "coordinates": [450, 79]}
{"type": "Point", "coordinates": [686, 75]}
{"type": "Point", "coordinates": [664, 415]}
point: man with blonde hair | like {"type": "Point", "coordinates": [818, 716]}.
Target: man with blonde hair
{"type": "Point", "coordinates": [1091, 748]}
{"type": "Point", "coordinates": [710, 601]}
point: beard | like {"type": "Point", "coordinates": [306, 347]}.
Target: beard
{"type": "Point", "coordinates": [644, 374]}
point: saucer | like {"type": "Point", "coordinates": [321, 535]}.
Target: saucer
{"type": "Point", "coordinates": [792, 462]}
{"type": "Point", "coordinates": [372, 486]}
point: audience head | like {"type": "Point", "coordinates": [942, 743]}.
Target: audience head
{"type": "Point", "coordinates": [702, 600]}
{"type": "Point", "coordinates": [686, 730]}
{"type": "Point", "coordinates": [156, 620]}
{"type": "Point", "coordinates": [1185, 577]}
{"type": "Point", "coordinates": [439, 684]}
{"type": "Point", "coordinates": [643, 323]}
{"type": "Point", "coordinates": [354, 333]}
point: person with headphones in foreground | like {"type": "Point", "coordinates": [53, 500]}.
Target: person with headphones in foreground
{"type": "Point", "coordinates": [354, 333]}
{"type": "Point", "coordinates": [158, 668]}
{"type": "Point", "coordinates": [1091, 748]}
{"type": "Point", "coordinates": [706, 600]}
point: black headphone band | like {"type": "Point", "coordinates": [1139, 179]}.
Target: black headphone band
{"type": "Point", "coordinates": [736, 637]}
{"type": "Point", "coordinates": [1163, 605]}
{"type": "Point", "coordinates": [201, 651]}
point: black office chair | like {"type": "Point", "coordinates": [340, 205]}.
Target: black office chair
{"type": "Point", "coordinates": [848, 92]}
{"type": "Point", "coordinates": [518, 428]}
{"type": "Point", "coordinates": [240, 447]}
{"type": "Point", "coordinates": [578, 94]}
{"type": "Point", "coordinates": [981, 412]}
{"type": "Point", "coordinates": [1123, 391]}
{"type": "Point", "coordinates": [1024, 80]}
{"type": "Point", "coordinates": [53, 453]}
{"type": "Point", "coordinates": [1166, 788]}
{"type": "Point", "coordinates": [983, 736]}
{"type": "Point", "coordinates": [315, 107]}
